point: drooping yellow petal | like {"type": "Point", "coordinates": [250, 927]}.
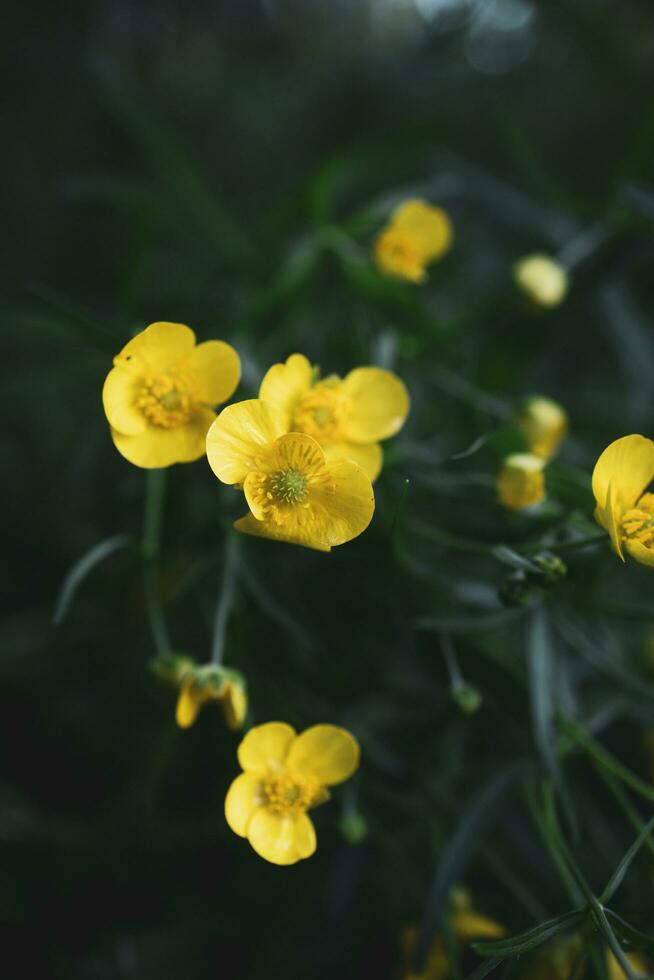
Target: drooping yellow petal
{"type": "Point", "coordinates": [188, 704]}
{"type": "Point", "coordinates": [369, 457]}
{"type": "Point", "coordinates": [429, 225]}
{"type": "Point", "coordinates": [627, 467]}
{"type": "Point", "coordinates": [159, 347]}
{"type": "Point", "coordinates": [379, 405]}
{"type": "Point", "coordinates": [157, 447]}
{"type": "Point", "coordinates": [284, 384]}
{"type": "Point", "coordinates": [301, 535]}
{"type": "Point", "coordinates": [264, 748]}
{"type": "Point", "coordinates": [325, 752]}
{"type": "Point", "coordinates": [470, 925]}
{"type": "Point", "coordinates": [344, 510]}
{"type": "Point", "coordinates": [235, 706]}
{"type": "Point", "coordinates": [119, 394]}
{"type": "Point", "coordinates": [239, 435]}
{"type": "Point", "coordinates": [215, 369]}
{"type": "Point", "coordinates": [243, 798]}
{"type": "Point", "coordinates": [279, 838]}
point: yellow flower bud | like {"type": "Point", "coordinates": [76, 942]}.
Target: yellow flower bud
{"type": "Point", "coordinates": [544, 424]}
{"type": "Point", "coordinates": [542, 279]}
{"type": "Point", "coordinates": [521, 483]}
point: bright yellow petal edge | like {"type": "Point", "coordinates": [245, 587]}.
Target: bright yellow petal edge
{"type": "Point", "coordinates": [285, 776]}
{"type": "Point", "coordinates": [621, 476]}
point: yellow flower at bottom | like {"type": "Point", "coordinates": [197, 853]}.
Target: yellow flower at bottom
{"type": "Point", "coordinates": [347, 416]}
{"type": "Point", "coordinates": [624, 509]}
{"type": "Point", "coordinates": [416, 235]}
{"type": "Point", "coordinates": [159, 396]}
{"type": "Point", "coordinates": [294, 492]}
{"type": "Point", "coordinates": [542, 279]}
{"type": "Point", "coordinates": [543, 424]}
{"type": "Point", "coordinates": [284, 776]}
{"type": "Point", "coordinates": [520, 482]}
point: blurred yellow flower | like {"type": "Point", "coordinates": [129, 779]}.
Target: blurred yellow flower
{"type": "Point", "coordinates": [294, 493]}
{"type": "Point", "coordinates": [159, 396]}
{"type": "Point", "coordinates": [639, 963]}
{"type": "Point", "coordinates": [520, 482]}
{"type": "Point", "coordinates": [467, 924]}
{"type": "Point", "coordinates": [621, 476]}
{"type": "Point", "coordinates": [199, 684]}
{"type": "Point", "coordinates": [285, 775]}
{"type": "Point", "coordinates": [542, 279]}
{"type": "Point", "coordinates": [348, 416]}
{"type": "Point", "coordinates": [416, 235]}
{"type": "Point", "coordinates": [544, 424]}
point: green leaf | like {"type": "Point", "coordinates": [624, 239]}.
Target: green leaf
{"type": "Point", "coordinates": [531, 938]}
{"type": "Point", "coordinates": [639, 940]}
{"type": "Point", "coordinates": [540, 662]}
{"type": "Point", "coordinates": [604, 759]}
{"type": "Point", "coordinates": [81, 569]}
{"type": "Point", "coordinates": [618, 875]}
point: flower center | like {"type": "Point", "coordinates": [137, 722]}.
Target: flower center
{"type": "Point", "coordinates": [322, 412]}
{"type": "Point", "coordinates": [289, 486]}
{"type": "Point", "coordinates": [284, 794]}
{"type": "Point", "coordinates": [638, 522]}
{"type": "Point", "coordinates": [164, 401]}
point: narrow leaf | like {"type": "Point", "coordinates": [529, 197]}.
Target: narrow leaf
{"type": "Point", "coordinates": [531, 938]}
{"type": "Point", "coordinates": [81, 569]}
{"type": "Point", "coordinates": [618, 875]}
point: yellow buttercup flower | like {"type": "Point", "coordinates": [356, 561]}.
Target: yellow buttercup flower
{"type": "Point", "coordinates": [416, 235]}
{"type": "Point", "coordinates": [160, 394]}
{"type": "Point", "coordinates": [200, 684]}
{"type": "Point", "coordinates": [284, 776]}
{"type": "Point", "coordinates": [348, 417]}
{"type": "Point", "coordinates": [294, 492]}
{"type": "Point", "coordinates": [621, 477]}
{"type": "Point", "coordinates": [520, 482]}
{"type": "Point", "coordinates": [542, 279]}
{"type": "Point", "coordinates": [543, 424]}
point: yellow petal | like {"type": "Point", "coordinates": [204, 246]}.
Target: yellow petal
{"type": "Point", "coordinates": [188, 704]}
{"type": "Point", "coordinates": [159, 347]}
{"type": "Point", "coordinates": [399, 254]}
{"type": "Point", "coordinates": [520, 482]}
{"type": "Point", "coordinates": [429, 225]}
{"type": "Point", "coordinates": [281, 839]}
{"type": "Point", "coordinates": [608, 517]}
{"type": "Point", "coordinates": [243, 798]}
{"type": "Point", "coordinates": [303, 536]}
{"type": "Point", "coordinates": [284, 384]}
{"type": "Point", "coordinates": [328, 753]}
{"type": "Point", "coordinates": [470, 925]}
{"type": "Point", "coordinates": [627, 465]}
{"type": "Point", "coordinates": [216, 371]}
{"type": "Point", "coordinates": [638, 551]}
{"type": "Point", "coordinates": [636, 961]}
{"type": "Point", "coordinates": [157, 447]}
{"type": "Point", "coordinates": [264, 748]}
{"type": "Point", "coordinates": [238, 436]}
{"type": "Point", "coordinates": [370, 458]}
{"type": "Point", "coordinates": [380, 404]}
{"type": "Point", "coordinates": [119, 395]}
{"type": "Point", "coordinates": [345, 511]}
{"type": "Point", "coordinates": [235, 706]}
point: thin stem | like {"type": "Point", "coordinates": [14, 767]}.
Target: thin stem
{"type": "Point", "coordinates": [451, 662]}
{"type": "Point", "coordinates": [150, 549]}
{"type": "Point", "coordinates": [225, 600]}
{"type": "Point", "coordinates": [583, 245]}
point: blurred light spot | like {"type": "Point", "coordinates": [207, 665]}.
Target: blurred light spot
{"type": "Point", "coordinates": [444, 15]}
{"type": "Point", "coordinates": [501, 35]}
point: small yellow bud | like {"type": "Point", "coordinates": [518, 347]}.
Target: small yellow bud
{"type": "Point", "coordinates": [542, 279]}
{"type": "Point", "coordinates": [521, 483]}
{"type": "Point", "coordinates": [543, 424]}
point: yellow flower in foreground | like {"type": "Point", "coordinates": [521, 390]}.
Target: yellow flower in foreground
{"type": "Point", "coordinates": [542, 279]}
{"type": "Point", "coordinates": [416, 235]}
{"type": "Point", "coordinates": [284, 776]}
{"type": "Point", "coordinates": [620, 478]}
{"type": "Point", "coordinates": [544, 424]}
{"type": "Point", "coordinates": [294, 493]}
{"type": "Point", "coordinates": [467, 926]}
{"type": "Point", "coordinates": [160, 395]}
{"type": "Point", "coordinates": [520, 482]}
{"type": "Point", "coordinates": [348, 416]}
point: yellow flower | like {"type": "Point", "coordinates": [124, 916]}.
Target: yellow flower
{"type": "Point", "coordinates": [544, 424]}
{"type": "Point", "coordinates": [348, 416]}
{"type": "Point", "coordinates": [639, 963]}
{"type": "Point", "coordinates": [520, 482]}
{"type": "Point", "coordinates": [294, 493]}
{"type": "Point", "coordinates": [159, 397]}
{"type": "Point", "coordinates": [542, 279]}
{"type": "Point", "coordinates": [416, 235]}
{"type": "Point", "coordinates": [284, 776]}
{"type": "Point", "coordinates": [467, 924]}
{"type": "Point", "coordinates": [620, 478]}
{"type": "Point", "coordinates": [210, 683]}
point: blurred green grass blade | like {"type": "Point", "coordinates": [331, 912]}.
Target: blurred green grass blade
{"type": "Point", "coordinates": [639, 940]}
{"type": "Point", "coordinates": [274, 609]}
{"type": "Point", "coordinates": [484, 969]}
{"type": "Point", "coordinates": [458, 853]}
{"type": "Point", "coordinates": [618, 875]}
{"type": "Point", "coordinates": [511, 558]}
{"type": "Point", "coordinates": [171, 164]}
{"type": "Point", "coordinates": [621, 798]}
{"type": "Point", "coordinates": [531, 938]}
{"type": "Point", "coordinates": [592, 650]}
{"type": "Point", "coordinates": [81, 569]}
{"type": "Point", "coordinates": [605, 759]}
{"type": "Point", "coordinates": [469, 623]}
{"type": "Point", "coordinates": [541, 671]}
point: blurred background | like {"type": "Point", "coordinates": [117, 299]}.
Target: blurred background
{"type": "Point", "coordinates": [228, 165]}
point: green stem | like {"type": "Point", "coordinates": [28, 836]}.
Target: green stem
{"type": "Point", "coordinates": [150, 550]}
{"type": "Point", "coordinates": [604, 759]}
{"type": "Point", "coordinates": [225, 600]}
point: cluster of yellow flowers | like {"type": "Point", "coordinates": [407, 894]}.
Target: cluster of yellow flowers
{"type": "Point", "coordinates": [543, 425]}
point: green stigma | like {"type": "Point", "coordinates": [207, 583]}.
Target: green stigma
{"type": "Point", "coordinates": [289, 486]}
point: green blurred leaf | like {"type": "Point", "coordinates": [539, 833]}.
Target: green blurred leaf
{"type": "Point", "coordinates": [81, 569]}
{"type": "Point", "coordinates": [523, 942]}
